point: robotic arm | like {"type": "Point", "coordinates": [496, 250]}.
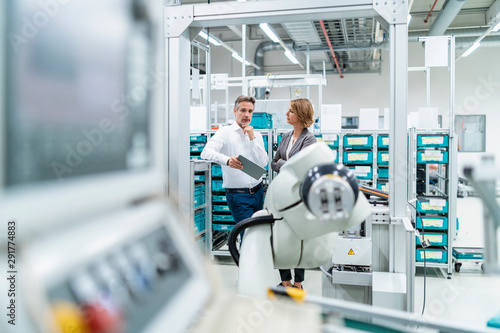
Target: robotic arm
{"type": "Point", "coordinates": [306, 205]}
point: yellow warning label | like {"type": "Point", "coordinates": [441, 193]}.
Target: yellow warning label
{"type": "Point", "coordinates": [351, 253]}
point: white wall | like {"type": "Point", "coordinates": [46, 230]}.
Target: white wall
{"type": "Point", "coordinates": [477, 88]}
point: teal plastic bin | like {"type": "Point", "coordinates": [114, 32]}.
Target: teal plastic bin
{"type": "Point", "coordinates": [439, 206]}
{"type": "Point", "coordinates": [358, 141]}
{"type": "Point", "coordinates": [383, 173]}
{"type": "Point", "coordinates": [383, 142]}
{"type": "Point", "coordinates": [333, 144]}
{"type": "Point", "coordinates": [362, 173]}
{"type": "Point", "coordinates": [435, 239]}
{"type": "Point", "coordinates": [261, 120]}
{"type": "Point", "coordinates": [434, 140]}
{"type": "Point", "coordinates": [221, 209]}
{"type": "Point", "coordinates": [199, 178]}
{"type": "Point", "coordinates": [199, 195]}
{"type": "Point", "coordinates": [222, 227]}
{"type": "Point", "coordinates": [199, 222]}
{"type": "Point", "coordinates": [196, 148]}
{"type": "Point", "coordinates": [198, 138]}
{"type": "Point", "coordinates": [432, 223]}
{"type": "Point", "coordinates": [383, 158]}
{"type": "Point", "coordinates": [219, 198]}
{"type": "Point", "coordinates": [432, 157]}
{"type": "Point", "coordinates": [357, 157]}
{"type": "Point", "coordinates": [216, 170]}
{"type": "Point", "coordinates": [217, 186]}
{"type": "Point", "coordinates": [383, 186]}
{"type": "Point", "coordinates": [432, 255]}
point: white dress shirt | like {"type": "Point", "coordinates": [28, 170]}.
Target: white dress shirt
{"type": "Point", "coordinates": [231, 141]}
{"type": "Point", "coordinates": [289, 148]}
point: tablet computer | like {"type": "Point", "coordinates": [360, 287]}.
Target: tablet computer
{"type": "Point", "coordinates": [250, 168]}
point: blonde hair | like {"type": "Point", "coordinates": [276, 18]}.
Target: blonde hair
{"type": "Point", "coordinates": [304, 110]}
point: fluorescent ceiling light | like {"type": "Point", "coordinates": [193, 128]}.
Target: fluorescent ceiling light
{"type": "Point", "coordinates": [408, 19]}
{"type": "Point", "coordinates": [269, 32]}
{"type": "Point", "coordinates": [496, 27]}
{"type": "Point", "coordinates": [239, 58]}
{"type": "Point", "coordinates": [290, 56]}
{"type": "Point", "coordinates": [211, 39]}
{"type": "Point", "coordinates": [471, 49]}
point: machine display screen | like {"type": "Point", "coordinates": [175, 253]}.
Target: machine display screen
{"type": "Point", "coordinates": [78, 81]}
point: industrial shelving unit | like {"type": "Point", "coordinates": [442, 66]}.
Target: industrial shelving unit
{"type": "Point", "coordinates": [435, 190]}
{"type": "Point", "coordinates": [357, 154]}
{"type": "Point", "coordinates": [222, 221]}
{"type": "Point", "coordinates": [438, 147]}
{"type": "Point", "coordinates": [364, 151]}
{"type": "Point", "coordinates": [201, 207]}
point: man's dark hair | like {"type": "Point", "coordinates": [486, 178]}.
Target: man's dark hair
{"type": "Point", "coordinates": [243, 98]}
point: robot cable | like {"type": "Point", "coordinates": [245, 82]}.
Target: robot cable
{"type": "Point", "coordinates": [241, 226]}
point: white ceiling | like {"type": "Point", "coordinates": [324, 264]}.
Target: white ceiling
{"type": "Point", "coordinates": [348, 33]}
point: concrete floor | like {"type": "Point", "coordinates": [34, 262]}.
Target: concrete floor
{"type": "Point", "coordinates": [470, 297]}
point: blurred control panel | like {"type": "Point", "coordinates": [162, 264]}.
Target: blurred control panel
{"type": "Point", "coordinates": [122, 290]}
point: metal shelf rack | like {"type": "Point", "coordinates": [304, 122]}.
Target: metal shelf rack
{"type": "Point", "coordinates": [201, 173]}
{"type": "Point", "coordinates": [436, 202]}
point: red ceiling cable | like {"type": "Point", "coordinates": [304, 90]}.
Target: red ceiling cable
{"type": "Point", "coordinates": [331, 49]}
{"type": "Point", "coordinates": [428, 15]}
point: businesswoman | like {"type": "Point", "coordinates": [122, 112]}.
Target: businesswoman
{"type": "Point", "coordinates": [300, 115]}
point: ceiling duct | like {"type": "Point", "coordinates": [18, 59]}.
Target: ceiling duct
{"type": "Point", "coordinates": [261, 50]}
{"type": "Point", "coordinates": [488, 41]}
{"type": "Point", "coordinates": [458, 33]}
{"type": "Point", "coordinates": [450, 10]}
{"type": "Point", "coordinates": [264, 47]}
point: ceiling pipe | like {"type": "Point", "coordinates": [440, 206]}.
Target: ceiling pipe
{"type": "Point", "coordinates": [430, 12]}
{"type": "Point", "coordinates": [447, 14]}
{"type": "Point", "coordinates": [331, 49]}
{"type": "Point", "coordinates": [341, 48]}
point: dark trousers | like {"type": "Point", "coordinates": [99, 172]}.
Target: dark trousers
{"type": "Point", "coordinates": [286, 274]}
{"type": "Point", "coordinates": [243, 205]}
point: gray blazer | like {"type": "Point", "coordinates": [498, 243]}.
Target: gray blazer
{"type": "Point", "coordinates": [305, 139]}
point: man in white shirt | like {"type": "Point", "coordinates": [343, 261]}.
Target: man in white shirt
{"type": "Point", "coordinates": [244, 194]}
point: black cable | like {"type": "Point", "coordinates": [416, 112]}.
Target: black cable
{"type": "Point", "coordinates": [423, 250]}
{"type": "Point", "coordinates": [239, 227]}
{"type": "Point", "coordinates": [374, 191]}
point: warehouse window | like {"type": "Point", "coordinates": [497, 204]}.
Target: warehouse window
{"type": "Point", "coordinates": [471, 132]}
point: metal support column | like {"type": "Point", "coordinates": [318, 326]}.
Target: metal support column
{"type": "Point", "coordinates": [244, 82]}
{"type": "Point", "coordinates": [398, 177]}
{"type": "Point", "coordinates": [177, 51]}
{"type": "Point", "coordinates": [208, 97]}
{"type": "Point", "coordinates": [308, 68]}
{"type": "Point", "coordinates": [453, 158]}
